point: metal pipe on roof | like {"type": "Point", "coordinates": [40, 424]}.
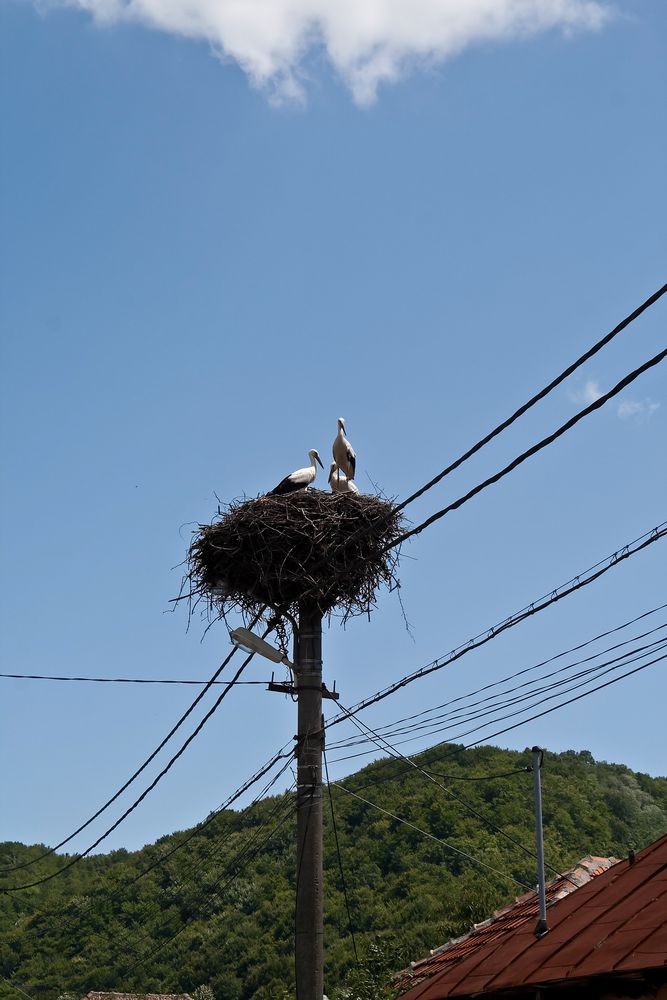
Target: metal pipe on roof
{"type": "Point", "coordinates": [541, 927]}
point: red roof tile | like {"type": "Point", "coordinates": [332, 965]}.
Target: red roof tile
{"type": "Point", "coordinates": [615, 923]}
{"type": "Point", "coordinates": [498, 928]}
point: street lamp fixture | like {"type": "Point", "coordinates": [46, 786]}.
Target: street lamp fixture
{"type": "Point", "coordinates": [251, 643]}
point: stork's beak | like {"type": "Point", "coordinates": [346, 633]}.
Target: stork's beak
{"type": "Point", "coordinates": [320, 461]}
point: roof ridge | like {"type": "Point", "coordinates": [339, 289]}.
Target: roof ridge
{"type": "Point", "coordinates": [614, 925]}
{"type": "Point", "coordinates": [557, 888]}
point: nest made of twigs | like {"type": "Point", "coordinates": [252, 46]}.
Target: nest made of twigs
{"type": "Point", "coordinates": [326, 551]}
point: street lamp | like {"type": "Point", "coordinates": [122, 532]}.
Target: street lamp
{"type": "Point", "coordinates": [252, 643]}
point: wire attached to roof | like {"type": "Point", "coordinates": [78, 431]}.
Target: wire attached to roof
{"type": "Point", "coordinates": [431, 836]}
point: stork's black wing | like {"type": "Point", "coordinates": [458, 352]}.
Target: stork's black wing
{"type": "Point", "coordinates": [286, 485]}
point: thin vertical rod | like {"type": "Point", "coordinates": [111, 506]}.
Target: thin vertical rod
{"type": "Point", "coordinates": [542, 926]}
{"type": "Point", "coordinates": [309, 935]}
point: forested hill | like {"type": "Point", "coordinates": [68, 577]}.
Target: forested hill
{"type": "Point", "coordinates": [220, 912]}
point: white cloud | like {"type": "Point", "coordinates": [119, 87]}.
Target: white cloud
{"type": "Point", "coordinates": [368, 42]}
{"type": "Point", "coordinates": [589, 394]}
{"type": "Point", "coordinates": [640, 409]}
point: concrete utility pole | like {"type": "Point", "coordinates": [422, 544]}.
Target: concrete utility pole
{"type": "Point", "coordinates": [309, 943]}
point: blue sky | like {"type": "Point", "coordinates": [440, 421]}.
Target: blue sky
{"type": "Point", "coordinates": [203, 267]}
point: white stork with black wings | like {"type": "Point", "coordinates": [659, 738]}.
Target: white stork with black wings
{"type": "Point", "coordinates": [299, 480]}
{"type": "Point", "coordinates": [339, 482]}
{"type": "Point", "coordinates": [343, 452]}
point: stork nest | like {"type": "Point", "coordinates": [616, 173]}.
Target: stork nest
{"type": "Point", "coordinates": [326, 551]}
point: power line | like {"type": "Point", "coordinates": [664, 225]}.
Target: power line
{"type": "Point", "coordinates": [132, 777]}
{"type": "Point", "coordinates": [431, 836]}
{"type": "Point", "coordinates": [571, 701]}
{"type": "Point", "coordinates": [340, 860]}
{"type": "Point", "coordinates": [628, 659]}
{"type": "Point", "coordinates": [125, 680]}
{"type": "Point", "coordinates": [382, 742]}
{"type": "Point", "coordinates": [616, 664]}
{"type": "Point", "coordinates": [575, 583]}
{"type": "Point", "coordinates": [197, 867]}
{"type": "Point", "coordinates": [139, 770]}
{"type": "Point", "coordinates": [464, 715]}
{"type": "Point", "coordinates": [106, 896]}
{"type": "Point", "coordinates": [595, 405]}
{"type": "Point", "coordinates": [15, 986]}
{"type": "Point", "coordinates": [217, 886]}
{"type": "Point", "coordinates": [480, 777]}
{"type": "Point", "coordinates": [499, 732]}
{"type": "Point", "coordinates": [147, 790]}
{"type": "Point", "coordinates": [542, 663]}
{"type": "Point", "coordinates": [537, 397]}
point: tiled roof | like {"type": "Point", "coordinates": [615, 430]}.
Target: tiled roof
{"type": "Point", "coordinates": [501, 923]}
{"type": "Point", "coordinates": [615, 923]}
{"type": "Point", "coordinates": [92, 995]}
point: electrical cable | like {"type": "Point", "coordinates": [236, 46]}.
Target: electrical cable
{"type": "Point", "coordinates": [105, 896]}
{"type": "Point", "coordinates": [537, 397]}
{"type": "Point", "coordinates": [541, 663]}
{"type": "Point", "coordinates": [381, 742]}
{"type": "Point", "coordinates": [570, 701]}
{"type": "Point", "coordinates": [132, 777]}
{"type": "Point", "coordinates": [561, 686]}
{"type": "Point", "coordinates": [571, 586]}
{"type": "Point", "coordinates": [14, 986]}
{"type": "Point", "coordinates": [124, 680]}
{"type": "Point", "coordinates": [340, 860]}
{"type": "Point", "coordinates": [481, 777]}
{"type": "Point", "coordinates": [149, 788]}
{"type": "Point", "coordinates": [454, 736]}
{"type": "Point", "coordinates": [139, 770]}
{"type": "Point", "coordinates": [197, 867]}
{"type": "Point", "coordinates": [464, 714]}
{"type": "Point", "coordinates": [595, 405]}
{"type": "Point", "coordinates": [431, 836]}
{"type": "Point", "coordinates": [453, 751]}
{"type": "Point", "coordinates": [224, 806]}
{"type": "Point", "coordinates": [217, 884]}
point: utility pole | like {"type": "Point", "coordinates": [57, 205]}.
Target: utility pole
{"type": "Point", "coordinates": [309, 923]}
{"type": "Point", "coordinates": [541, 927]}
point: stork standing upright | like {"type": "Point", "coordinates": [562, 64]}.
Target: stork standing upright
{"type": "Point", "coordinates": [299, 480]}
{"type": "Point", "coordinates": [339, 482]}
{"type": "Point", "coordinates": [343, 452]}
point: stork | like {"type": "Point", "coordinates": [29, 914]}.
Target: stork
{"type": "Point", "coordinates": [299, 480]}
{"type": "Point", "coordinates": [343, 452]}
{"type": "Point", "coordinates": [339, 482]}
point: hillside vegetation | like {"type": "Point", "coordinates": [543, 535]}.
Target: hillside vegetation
{"type": "Point", "coordinates": [228, 896]}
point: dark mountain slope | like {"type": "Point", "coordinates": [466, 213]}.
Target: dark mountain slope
{"type": "Point", "coordinates": [228, 896]}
